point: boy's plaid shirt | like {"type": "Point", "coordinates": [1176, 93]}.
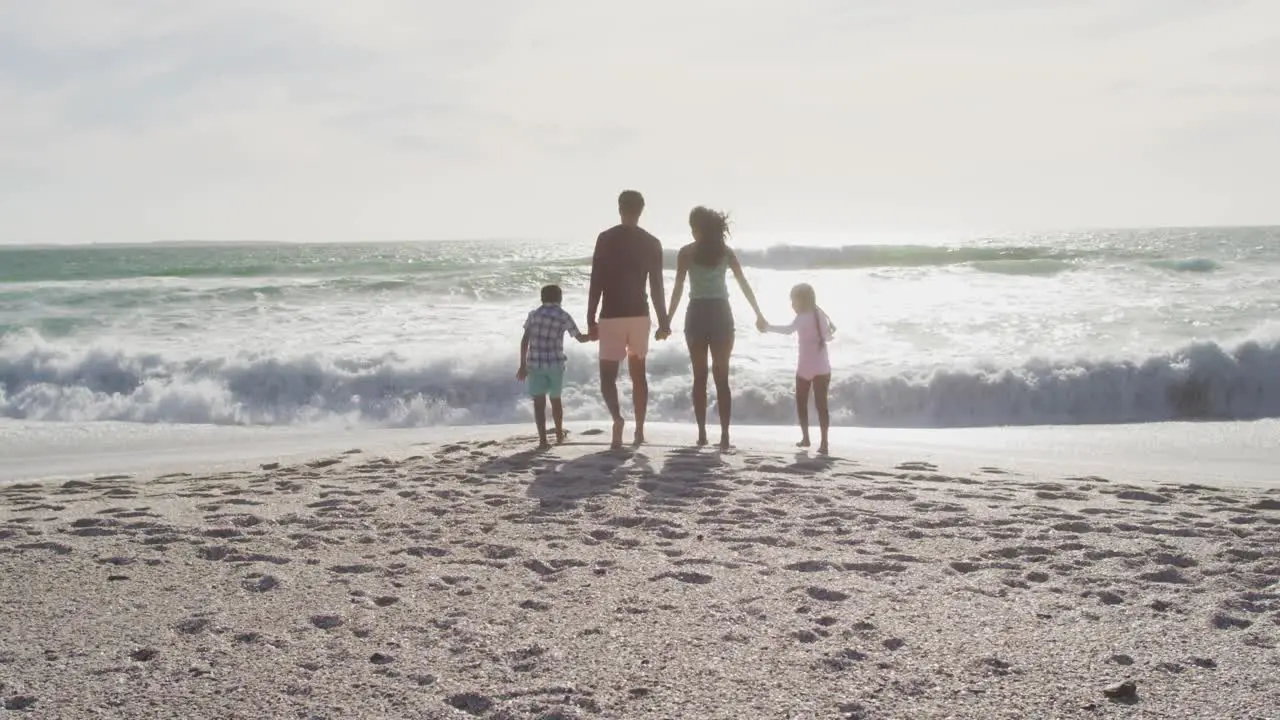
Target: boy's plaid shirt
{"type": "Point", "coordinates": [547, 326]}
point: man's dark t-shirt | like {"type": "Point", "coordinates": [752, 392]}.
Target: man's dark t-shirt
{"type": "Point", "coordinates": [626, 260]}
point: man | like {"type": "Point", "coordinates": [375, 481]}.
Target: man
{"type": "Point", "coordinates": [627, 259]}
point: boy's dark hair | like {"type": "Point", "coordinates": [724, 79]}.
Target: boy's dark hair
{"type": "Point", "coordinates": [631, 203]}
{"type": "Point", "coordinates": [552, 295]}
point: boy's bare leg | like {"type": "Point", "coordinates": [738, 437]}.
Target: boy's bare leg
{"type": "Point", "coordinates": [639, 394]}
{"type": "Point", "coordinates": [540, 419]}
{"type": "Point", "coordinates": [609, 390]}
{"type": "Point", "coordinates": [557, 417]}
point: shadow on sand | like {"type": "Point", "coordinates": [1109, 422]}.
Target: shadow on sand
{"type": "Point", "coordinates": [689, 473]}
{"type": "Point", "coordinates": [805, 462]}
{"type": "Point", "coordinates": [559, 484]}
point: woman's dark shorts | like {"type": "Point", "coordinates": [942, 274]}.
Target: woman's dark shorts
{"type": "Point", "coordinates": [708, 320]}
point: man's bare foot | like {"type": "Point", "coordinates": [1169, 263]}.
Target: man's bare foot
{"type": "Point", "coordinates": [561, 435]}
{"type": "Point", "coordinates": [702, 439]}
{"type": "Point", "coordinates": [618, 426]}
{"type": "Point", "coordinates": [639, 437]}
{"type": "Point", "coordinates": [724, 442]}
{"type": "Point", "coordinates": [544, 445]}
{"type": "Point", "coordinates": [823, 449]}
{"type": "Point", "coordinates": [804, 442]}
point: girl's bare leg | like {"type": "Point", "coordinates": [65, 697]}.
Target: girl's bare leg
{"type": "Point", "coordinates": [802, 409]}
{"type": "Point", "coordinates": [821, 385]}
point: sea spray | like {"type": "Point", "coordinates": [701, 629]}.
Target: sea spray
{"type": "Point", "coordinates": [43, 381]}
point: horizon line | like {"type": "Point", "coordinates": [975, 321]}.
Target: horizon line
{"type": "Point", "coordinates": [263, 243]}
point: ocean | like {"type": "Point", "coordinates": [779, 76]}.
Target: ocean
{"type": "Point", "coordinates": [1130, 326]}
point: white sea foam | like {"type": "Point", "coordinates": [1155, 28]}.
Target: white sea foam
{"type": "Point", "coordinates": [1131, 326]}
{"type": "Point", "coordinates": [47, 381]}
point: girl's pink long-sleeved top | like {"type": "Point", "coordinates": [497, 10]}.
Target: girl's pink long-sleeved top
{"type": "Point", "coordinates": [813, 359]}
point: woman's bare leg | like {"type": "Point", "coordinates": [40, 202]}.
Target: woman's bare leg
{"type": "Point", "coordinates": [698, 357]}
{"type": "Point", "coordinates": [721, 351]}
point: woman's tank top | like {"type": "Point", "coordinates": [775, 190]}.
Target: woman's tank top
{"type": "Point", "coordinates": [708, 283]}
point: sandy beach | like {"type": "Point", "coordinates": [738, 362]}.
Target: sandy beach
{"type": "Point", "coordinates": [477, 579]}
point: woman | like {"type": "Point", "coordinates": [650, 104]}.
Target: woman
{"type": "Point", "coordinates": [708, 323]}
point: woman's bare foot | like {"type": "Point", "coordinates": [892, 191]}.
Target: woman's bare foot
{"type": "Point", "coordinates": [561, 435]}
{"type": "Point", "coordinates": [702, 439]}
{"type": "Point", "coordinates": [638, 440]}
{"type": "Point", "coordinates": [823, 449]}
{"type": "Point", "coordinates": [618, 426]}
{"type": "Point", "coordinates": [724, 442]}
{"type": "Point", "coordinates": [543, 446]}
{"type": "Point", "coordinates": [804, 442]}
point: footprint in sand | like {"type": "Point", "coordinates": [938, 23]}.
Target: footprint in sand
{"type": "Point", "coordinates": [809, 566]}
{"type": "Point", "coordinates": [1222, 621]}
{"type": "Point", "coordinates": [192, 626]}
{"type": "Point", "coordinates": [327, 622]}
{"type": "Point", "coordinates": [1107, 597]}
{"type": "Point", "coordinates": [692, 578]}
{"type": "Point", "coordinates": [55, 548]}
{"type": "Point", "coordinates": [1143, 496]}
{"type": "Point", "coordinates": [425, 552]}
{"type": "Point", "coordinates": [918, 467]}
{"type": "Point", "coordinates": [805, 637]}
{"type": "Point", "coordinates": [352, 569]}
{"type": "Point", "coordinates": [1168, 575]}
{"type": "Point", "coordinates": [260, 583]}
{"type": "Point", "coordinates": [874, 568]}
{"type": "Point", "coordinates": [499, 552]}
{"type": "Point", "coordinates": [844, 660]}
{"type": "Point", "coordinates": [826, 595]}
{"type": "Point", "coordinates": [470, 703]}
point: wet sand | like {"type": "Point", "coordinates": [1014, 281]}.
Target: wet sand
{"type": "Point", "coordinates": [479, 579]}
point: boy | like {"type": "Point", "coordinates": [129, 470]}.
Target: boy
{"type": "Point", "coordinates": [542, 360]}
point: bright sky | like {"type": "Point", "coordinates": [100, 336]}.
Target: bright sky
{"type": "Point", "coordinates": [143, 120]}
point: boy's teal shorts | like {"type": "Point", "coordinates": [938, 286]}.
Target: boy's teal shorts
{"type": "Point", "coordinates": [547, 380]}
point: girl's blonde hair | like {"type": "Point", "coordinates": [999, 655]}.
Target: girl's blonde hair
{"type": "Point", "coordinates": [807, 299]}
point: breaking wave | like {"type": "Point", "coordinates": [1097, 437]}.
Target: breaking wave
{"type": "Point", "coordinates": [41, 380]}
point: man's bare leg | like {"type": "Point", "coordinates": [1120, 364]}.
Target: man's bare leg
{"type": "Point", "coordinates": [609, 390]}
{"type": "Point", "coordinates": [639, 394]}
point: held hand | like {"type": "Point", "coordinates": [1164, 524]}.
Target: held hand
{"type": "Point", "coordinates": [762, 324]}
{"type": "Point", "coordinates": [583, 338]}
{"type": "Point", "coordinates": [522, 374]}
{"type": "Point", "coordinates": [662, 334]}
{"type": "Point", "coordinates": [593, 333]}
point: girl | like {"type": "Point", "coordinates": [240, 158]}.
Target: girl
{"type": "Point", "coordinates": [708, 323]}
{"type": "Point", "coordinates": [813, 329]}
